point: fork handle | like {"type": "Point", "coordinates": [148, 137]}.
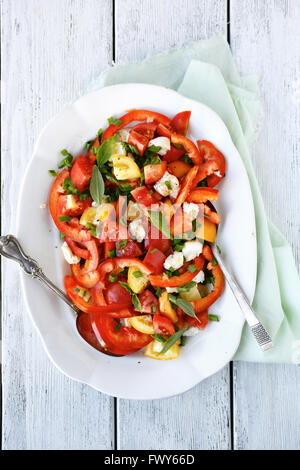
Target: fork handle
{"type": "Point", "coordinates": [261, 335]}
{"type": "Point", "coordinates": [11, 248]}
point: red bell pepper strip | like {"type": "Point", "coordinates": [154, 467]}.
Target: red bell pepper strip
{"type": "Point", "coordinates": [205, 170]}
{"type": "Point", "coordinates": [189, 146]}
{"type": "Point", "coordinates": [203, 195]}
{"type": "Point", "coordinates": [114, 310]}
{"type": "Point", "coordinates": [209, 214]}
{"type": "Point", "coordinates": [203, 304]}
{"type": "Point", "coordinates": [135, 115]}
{"type": "Point", "coordinates": [180, 122]}
{"type": "Point", "coordinates": [109, 265]}
{"type": "Point", "coordinates": [209, 152]}
{"type": "Point", "coordinates": [78, 249]}
{"type": "Point", "coordinates": [177, 281]}
{"type": "Point", "coordinates": [85, 279]}
{"type": "Point", "coordinates": [186, 186]}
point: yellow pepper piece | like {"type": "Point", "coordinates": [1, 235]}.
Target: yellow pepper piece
{"type": "Point", "coordinates": [136, 280]}
{"type": "Point", "coordinates": [142, 323]}
{"type": "Point", "coordinates": [207, 231]}
{"type": "Point", "coordinates": [166, 308]}
{"type": "Point", "coordinates": [153, 348]}
{"type": "Point", "coordinates": [125, 168]}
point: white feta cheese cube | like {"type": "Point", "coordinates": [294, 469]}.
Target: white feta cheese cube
{"type": "Point", "coordinates": [191, 209]}
{"type": "Point", "coordinates": [162, 142]}
{"type": "Point", "coordinates": [192, 249]}
{"type": "Point", "coordinates": [168, 185]}
{"type": "Point", "coordinates": [200, 277]}
{"type": "Point", "coordinates": [136, 230]}
{"type": "Point", "coordinates": [69, 255]}
{"type": "Point", "coordinates": [174, 261]}
{"type": "Point", "coordinates": [171, 290]}
{"type": "Point", "coordinates": [123, 134]}
{"type": "Point", "coordinates": [192, 331]}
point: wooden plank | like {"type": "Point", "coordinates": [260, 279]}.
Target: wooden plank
{"type": "Point", "coordinates": [266, 408]}
{"type": "Point", "coordinates": [50, 52]}
{"type": "Point", "coordinates": [199, 419]}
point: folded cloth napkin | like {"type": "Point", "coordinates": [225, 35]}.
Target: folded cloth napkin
{"type": "Point", "coordinates": [205, 71]}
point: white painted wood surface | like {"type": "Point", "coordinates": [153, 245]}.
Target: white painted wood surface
{"type": "Point", "coordinates": [50, 53]}
{"type": "Point", "coordinates": [266, 407]}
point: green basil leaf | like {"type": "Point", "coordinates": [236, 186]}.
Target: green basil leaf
{"type": "Point", "coordinates": [97, 185]}
{"type": "Point", "coordinates": [64, 218]}
{"type": "Point", "coordinates": [112, 278]}
{"type": "Point", "coordinates": [126, 286]}
{"type": "Point", "coordinates": [122, 244]}
{"type": "Point", "coordinates": [88, 145]}
{"type": "Point", "coordinates": [136, 302]}
{"type": "Point", "coordinates": [103, 153]}
{"type": "Point", "coordinates": [137, 274]}
{"type": "Point", "coordinates": [52, 173]}
{"type": "Point", "coordinates": [184, 305]}
{"type": "Point", "coordinates": [67, 161]}
{"type": "Point", "coordinates": [172, 340]}
{"type": "Point", "coordinates": [213, 318]}
{"type": "Point", "coordinates": [159, 338]}
{"type": "Point", "coordinates": [114, 121]}
{"type": "Point", "coordinates": [111, 253]}
{"type": "Point", "coordinates": [192, 268]}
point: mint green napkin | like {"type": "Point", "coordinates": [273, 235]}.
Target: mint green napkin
{"type": "Point", "coordinates": [205, 71]}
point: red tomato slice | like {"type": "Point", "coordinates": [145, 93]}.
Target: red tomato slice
{"type": "Point", "coordinates": [108, 248]}
{"type": "Point", "coordinates": [162, 325]}
{"type": "Point", "coordinates": [85, 279]}
{"type": "Point", "coordinates": [56, 191]}
{"type": "Point", "coordinates": [131, 249]}
{"type": "Point", "coordinates": [71, 229]}
{"type": "Point", "coordinates": [180, 122]}
{"type": "Point", "coordinates": [77, 208]}
{"type": "Point", "coordinates": [139, 141]}
{"type": "Point", "coordinates": [148, 301]}
{"type": "Point", "coordinates": [81, 172]}
{"type": "Point", "coordinates": [120, 340]}
{"type": "Point", "coordinates": [186, 185]}
{"type": "Point", "coordinates": [153, 173]}
{"type": "Point", "coordinates": [78, 249]}
{"type": "Point", "coordinates": [146, 128]}
{"type": "Point", "coordinates": [117, 294]}
{"type": "Point", "coordinates": [174, 154]}
{"type": "Point", "coordinates": [155, 260]}
{"type": "Point", "coordinates": [143, 196]}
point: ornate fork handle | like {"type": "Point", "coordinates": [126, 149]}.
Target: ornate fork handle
{"type": "Point", "coordinates": [10, 248]}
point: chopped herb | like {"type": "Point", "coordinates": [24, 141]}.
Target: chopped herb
{"type": "Point", "coordinates": [61, 236]}
{"type": "Point", "coordinates": [168, 184]}
{"type": "Point", "coordinates": [137, 274]}
{"type": "Point", "coordinates": [158, 292]}
{"type": "Point", "coordinates": [112, 278]}
{"type": "Point", "coordinates": [153, 251]}
{"type": "Point", "coordinates": [67, 161]}
{"type": "Point", "coordinates": [111, 253]}
{"type": "Point", "coordinates": [192, 268]}
{"type": "Point", "coordinates": [183, 341]}
{"type": "Point", "coordinates": [84, 293]}
{"type": "Point", "coordinates": [88, 145]}
{"type": "Point", "coordinates": [52, 173]}
{"type": "Point", "coordinates": [177, 146]}
{"type": "Point", "coordinates": [202, 184]}
{"type": "Point", "coordinates": [84, 195]}
{"type": "Point", "coordinates": [187, 159]}
{"type": "Point", "coordinates": [100, 134]}
{"type": "Point", "coordinates": [130, 148]}
{"type": "Point", "coordinates": [172, 340]}
{"type": "Point", "coordinates": [219, 250]}
{"type": "Point", "coordinates": [125, 187]}
{"type": "Point", "coordinates": [154, 308]}
{"type": "Point", "coordinates": [64, 218]}
{"type": "Point", "coordinates": [187, 287]}
{"type": "Point", "coordinates": [213, 318]}
{"type": "Point", "coordinates": [178, 244]}
{"type": "Point", "coordinates": [215, 262]}
{"type": "Point", "coordinates": [97, 186]}
{"type": "Point", "coordinates": [118, 326]}
{"type": "Point", "coordinates": [69, 187]}
{"type": "Point", "coordinates": [92, 228]}
{"type": "Point", "coordinates": [114, 121]}
{"type": "Point", "coordinates": [121, 244]}
{"type": "Point", "coordinates": [136, 302]}
{"type": "Point", "coordinates": [159, 338]}
{"type": "Point", "coordinates": [76, 290]}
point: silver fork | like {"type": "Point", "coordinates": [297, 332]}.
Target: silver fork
{"type": "Point", "coordinates": [260, 333]}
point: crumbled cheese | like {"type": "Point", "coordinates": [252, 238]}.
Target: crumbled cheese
{"type": "Point", "coordinates": [192, 249]}
{"type": "Point", "coordinates": [174, 261]}
{"type": "Point", "coordinates": [200, 277]}
{"type": "Point", "coordinates": [171, 290]}
{"type": "Point", "coordinates": [69, 255]}
{"type": "Point", "coordinates": [136, 230]}
{"type": "Point", "coordinates": [191, 209]}
{"type": "Point", "coordinates": [123, 134]}
{"type": "Point", "coordinates": [168, 185]}
{"type": "Point", "coordinates": [162, 142]}
{"type": "Point", "coordinates": [192, 331]}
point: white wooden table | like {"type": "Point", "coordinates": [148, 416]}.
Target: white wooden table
{"type": "Point", "coordinates": [51, 50]}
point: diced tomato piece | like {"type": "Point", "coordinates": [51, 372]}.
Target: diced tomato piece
{"type": "Point", "coordinates": [139, 141]}
{"type": "Point", "coordinates": [81, 172]}
{"type": "Point", "coordinates": [155, 259]}
{"type": "Point", "coordinates": [143, 196]}
{"type": "Point", "coordinates": [174, 154]}
{"type": "Point", "coordinates": [154, 172]}
{"type": "Point", "coordinates": [117, 294]}
{"type": "Point", "coordinates": [165, 129]}
{"type": "Point", "coordinates": [131, 249]}
{"type": "Point", "coordinates": [71, 205]}
{"type": "Point", "coordinates": [146, 128]}
{"type": "Point", "coordinates": [162, 325]}
{"type": "Point", "coordinates": [179, 168]}
{"type": "Point", "coordinates": [180, 122]}
{"type": "Point", "coordinates": [148, 301]}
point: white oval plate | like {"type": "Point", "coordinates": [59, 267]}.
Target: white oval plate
{"type": "Point", "coordinates": [134, 376]}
